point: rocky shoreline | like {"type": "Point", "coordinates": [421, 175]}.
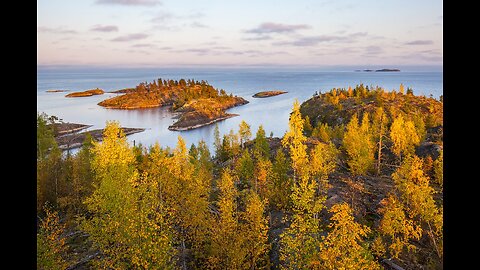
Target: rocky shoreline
{"type": "Point", "coordinates": [67, 136]}
{"type": "Point", "coordinates": [189, 127]}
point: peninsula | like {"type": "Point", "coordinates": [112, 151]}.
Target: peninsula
{"type": "Point", "coordinates": [67, 135]}
{"type": "Point", "coordinates": [272, 93]}
{"type": "Point", "coordinates": [198, 102]}
{"type": "Point", "coordinates": [86, 93]}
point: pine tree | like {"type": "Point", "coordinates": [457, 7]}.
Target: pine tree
{"type": "Point", "coordinates": [261, 148]}
{"type": "Point", "coordinates": [45, 138]}
{"type": "Point", "coordinates": [245, 170]}
{"type": "Point", "coordinates": [217, 143]}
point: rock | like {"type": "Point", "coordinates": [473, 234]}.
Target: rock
{"type": "Point", "coordinates": [428, 149]}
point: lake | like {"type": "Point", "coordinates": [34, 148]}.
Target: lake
{"type": "Point", "coordinates": [272, 112]}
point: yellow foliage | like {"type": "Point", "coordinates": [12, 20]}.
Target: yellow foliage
{"type": "Point", "coordinates": [343, 247]}
{"type": "Point", "coordinates": [294, 140]}
{"type": "Point", "coordinates": [404, 136]}
{"type": "Point", "coordinates": [397, 227]}
{"type": "Point", "coordinates": [359, 144]}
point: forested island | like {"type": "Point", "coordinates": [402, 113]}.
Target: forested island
{"type": "Point", "coordinates": [197, 102]}
{"type": "Point", "coordinates": [86, 93]}
{"type": "Point", "coordinates": [356, 182]}
{"type": "Point", "coordinates": [265, 94]}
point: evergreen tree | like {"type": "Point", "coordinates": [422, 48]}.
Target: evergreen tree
{"type": "Point", "coordinates": [245, 170]}
{"type": "Point", "coordinates": [261, 148]}
{"type": "Point", "coordinates": [45, 138]}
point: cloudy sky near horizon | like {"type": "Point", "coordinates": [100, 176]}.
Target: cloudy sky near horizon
{"type": "Point", "coordinates": [239, 33]}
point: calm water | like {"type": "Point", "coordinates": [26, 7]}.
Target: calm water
{"type": "Point", "coordinates": [271, 112]}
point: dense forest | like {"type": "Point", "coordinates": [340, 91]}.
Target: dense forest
{"type": "Point", "coordinates": [356, 182]}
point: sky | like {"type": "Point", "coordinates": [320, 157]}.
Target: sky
{"type": "Point", "coordinates": [179, 33]}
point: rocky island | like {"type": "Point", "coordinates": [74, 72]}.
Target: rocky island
{"type": "Point", "coordinates": [272, 93]}
{"type": "Point", "coordinates": [86, 93]}
{"type": "Point", "coordinates": [67, 135]}
{"type": "Point", "coordinates": [198, 102]}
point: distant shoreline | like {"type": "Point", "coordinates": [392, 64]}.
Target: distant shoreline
{"type": "Point", "coordinates": [379, 70]}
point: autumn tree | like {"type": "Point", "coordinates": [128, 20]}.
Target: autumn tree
{"type": "Point", "coordinates": [359, 145]}
{"type": "Point", "coordinates": [227, 251]}
{"type": "Point", "coordinates": [417, 196]}
{"type": "Point", "coordinates": [403, 136]}
{"type": "Point", "coordinates": [438, 169]}
{"type": "Point", "coordinates": [263, 176]}
{"type": "Point", "coordinates": [343, 247]}
{"type": "Point", "coordinates": [245, 169]}
{"type": "Point", "coordinates": [281, 184]}
{"type": "Point", "coordinates": [130, 232]}
{"type": "Point", "coordinates": [51, 246]}
{"type": "Point", "coordinates": [256, 233]}
{"type": "Point", "coordinates": [261, 148]}
{"type": "Point", "coordinates": [294, 141]}
{"type": "Point", "coordinates": [244, 133]}
{"type": "Point", "coordinates": [397, 228]}
{"type": "Point", "coordinates": [379, 128]}
{"type": "Point", "coordinates": [299, 243]}
{"type": "Point", "coordinates": [323, 132]}
{"type": "Point", "coordinates": [307, 127]}
{"type": "Point", "coordinates": [323, 161]}
{"type": "Point", "coordinates": [80, 186]}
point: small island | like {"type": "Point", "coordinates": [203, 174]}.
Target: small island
{"type": "Point", "coordinates": [380, 70]}
{"type": "Point", "coordinates": [56, 91]}
{"type": "Point", "coordinates": [272, 93]}
{"type": "Point", "coordinates": [86, 93]}
{"type": "Point", "coordinates": [198, 102]}
{"type": "Point", "coordinates": [388, 70]}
